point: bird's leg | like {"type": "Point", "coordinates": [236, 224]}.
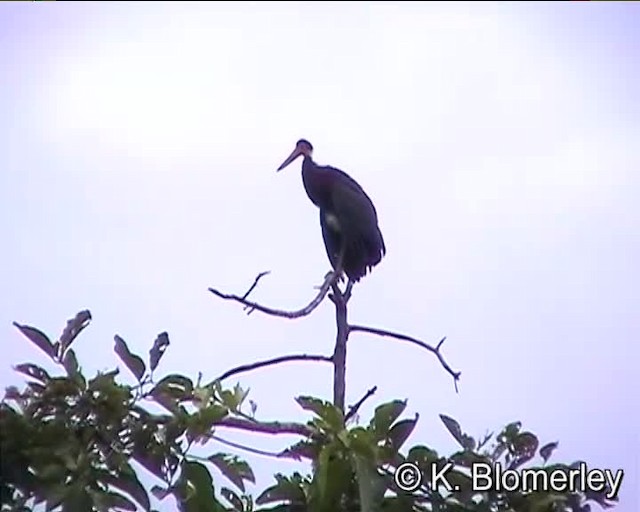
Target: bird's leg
{"type": "Point", "coordinates": [337, 269]}
{"type": "Point", "coordinates": [347, 291]}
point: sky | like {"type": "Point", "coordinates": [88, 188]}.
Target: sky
{"type": "Point", "coordinates": [499, 143]}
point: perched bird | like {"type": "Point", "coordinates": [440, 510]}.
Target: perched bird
{"type": "Point", "coordinates": [348, 219]}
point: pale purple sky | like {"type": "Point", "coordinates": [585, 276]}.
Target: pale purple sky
{"type": "Point", "coordinates": [138, 148]}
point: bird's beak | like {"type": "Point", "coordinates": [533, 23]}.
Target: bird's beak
{"type": "Point", "coordinates": [295, 154]}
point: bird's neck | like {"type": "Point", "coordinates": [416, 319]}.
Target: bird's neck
{"type": "Point", "coordinates": [316, 182]}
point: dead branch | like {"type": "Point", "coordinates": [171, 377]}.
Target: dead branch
{"type": "Point", "coordinates": [340, 352]}
{"type": "Point", "coordinates": [252, 287]}
{"type": "Point", "coordinates": [328, 282]}
{"type": "Point", "coordinates": [403, 337]}
{"type": "Point", "coordinates": [270, 362]}
{"type": "Point", "coordinates": [354, 408]}
{"type": "Point", "coordinates": [270, 427]}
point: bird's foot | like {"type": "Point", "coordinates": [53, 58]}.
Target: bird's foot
{"type": "Point", "coordinates": [327, 276]}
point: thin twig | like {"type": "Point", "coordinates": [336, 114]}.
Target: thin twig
{"type": "Point", "coordinates": [329, 280]}
{"type": "Point", "coordinates": [270, 362]}
{"type": "Point", "coordinates": [403, 337]}
{"type": "Point", "coordinates": [354, 408]}
{"type": "Point", "coordinates": [252, 287]}
{"type": "Point", "coordinates": [270, 427]}
{"type": "Point", "coordinates": [245, 447]}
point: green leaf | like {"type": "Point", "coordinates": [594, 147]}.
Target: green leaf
{"type": "Point", "coordinates": [73, 328]}
{"type": "Point", "coordinates": [240, 395]}
{"type": "Point", "coordinates": [401, 431]}
{"type": "Point", "coordinates": [104, 381]}
{"type": "Point", "coordinates": [195, 489]}
{"type": "Point", "coordinates": [422, 455]}
{"type": "Point", "coordinates": [77, 498]}
{"type": "Point", "coordinates": [34, 371]}
{"type": "Point", "coordinates": [284, 490]}
{"type": "Point", "coordinates": [132, 361]}
{"type": "Point", "coordinates": [38, 338]}
{"type": "Point", "coordinates": [386, 414]}
{"type": "Point", "coordinates": [234, 468]}
{"type": "Point", "coordinates": [323, 409]}
{"type": "Point", "coordinates": [362, 442]}
{"type": "Point", "coordinates": [200, 423]}
{"type": "Point", "coordinates": [158, 350]}
{"type": "Point", "coordinates": [176, 386]}
{"type": "Point", "coordinates": [371, 487]}
{"type": "Point", "coordinates": [546, 451]}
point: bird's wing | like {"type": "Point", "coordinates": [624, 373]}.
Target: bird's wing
{"type": "Point", "coordinates": [352, 205]}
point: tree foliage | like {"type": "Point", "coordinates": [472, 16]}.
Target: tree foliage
{"type": "Point", "coordinates": [74, 443]}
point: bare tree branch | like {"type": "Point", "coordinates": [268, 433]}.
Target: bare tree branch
{"type": "Point", "coordinates": [403, 337]}
{"type": "Point", "coordinates": [252, 287]}
{"type": "Point", "coordinates": [270, 362]}
{"type": "Point", "coordinates": [328, 282]}
{"type": "Point", "coordinates": [340, 351]}
{"type": "Point", "coordinates": [270, 427]}
{"type": "Point", "coordinates": [354, 408]}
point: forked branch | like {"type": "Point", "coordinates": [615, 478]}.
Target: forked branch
{"type": "Point", "coordinates": [331, 278]}
{"type": "Point", "coordinates": [403, 337]}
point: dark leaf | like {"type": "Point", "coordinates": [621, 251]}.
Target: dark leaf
{"type": "Point", "coordinates": [70, 363]}
{"type": "Point", "coordinates": [233, 498]}
{"type": "Point", "coordinates": [301, 449]}
{"type": "Point", "coordinates": [158, 349]}
{"type": "Point", "coordinates": [453, 427]}
{"type": "Point", "coordinates": [128, 482]}
{"type": "Point", "coordinates": [118, 501]}
{"type": "Point", "coordinates": [523, 449]}
{"type": "Point", "coordinates": [12, 393]}
{"type": "Point", "coordinates": [159, 492]}
{"type": "Point", "coordinates": [132, 361]}
{"type": "Point", "coordinates": [401, 431]}
{"type": "Point", "coordinates": [386, 414]}
{"type": "Point", "coordinates": [509, 432]}
{"type": "Point", "coordinates": [104, 381]}
{"type": "Point", "coordinates": [38, 338]}
{"type": "Point", "coordinates": [33, 371]}
{"type": "Point", "coordinates": [547, 450]}
{"type": "Point", "coordinates": [73, 328]}
{"type": "Point", "coordinates": [77, 498]}
{"type": "Point", "coordinates": [195, 489]}
{"type": "Point", "coordinates": [176, 386]}
{"type": "Point", "coordinates": [233, 468]}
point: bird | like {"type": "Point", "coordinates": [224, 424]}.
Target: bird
{"type": "Point", "coordinates": [348, 218]}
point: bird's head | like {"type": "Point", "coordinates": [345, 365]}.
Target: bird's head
{"type": "Point", "coordinates": [303, 147]}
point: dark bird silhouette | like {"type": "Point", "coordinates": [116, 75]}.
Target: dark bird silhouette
{"type": "Point", "coordinates": [348, 219]}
